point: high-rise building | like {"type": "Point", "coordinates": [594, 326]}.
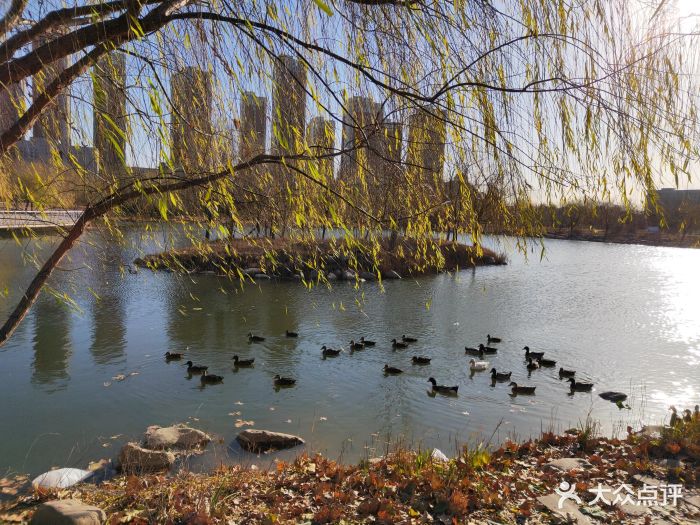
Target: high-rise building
{"type": "Point", "coordinates": [109, 114]}
{"type": "Point", "coordinates": [288, 106]}
{"type": "Point", "coordinates": [54, 124]}
{"type": "Point", "coordinates": [425, 154]}
{"type": "Point", "coordinates": [321, 141]}
{"type": "Point", "coordinates": [11, 106]}
{"type": "Point", "coordinates": [191, 122]}
{"type": "Point", "coordinates": [361, 120]}
{"type": "Point", "coordinates": [253, 131]}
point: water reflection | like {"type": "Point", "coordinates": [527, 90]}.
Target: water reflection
{"type": "Point", "coordinates": [51, 343]}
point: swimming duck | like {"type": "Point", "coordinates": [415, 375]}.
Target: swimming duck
{"type": "Point", "coordinates": [472, 351]}
{"type": "Point", "coordinates": [490, 339]}
{"type": "Point", "coordinates": [366, 342]}
{"type": "Point", "coordinates": [580, 387]}
{"type": "Point", "coordinates": [169, 356]}
{"type": "Point", "coordinates": [408, 339]}
{"type": "Point", "coordinates": [517, 389]}
{"type": "Point", "coordinates": [478, 365]}
{"type": "Point", "coordinates": [442, 388]}
{"type": "Point", "coordinates": [532, 365]}
{"type": "Point", "coordinates": [195, 369]}
{"type": "Point", "coordinates": [398, 344]}
{"type": "Point", "coordinates": [210, 378]}
{"type": "Point", "coordinates": [534, 355]}
{"type": "Point", "coordinates": [566, 373]}
{"type": "Point", "coordinates": [546, 362]}
{"type": "Point", "coordinates": [615, 397]}
{"type": "Point", "coordinates": [255, 338]}
{"type": "Point", "coordinates": [284, 381]}
{"type": "Point", "coordinates": [291, 334]}
{"type": "Point", "coordinates": [500, 376]}
{"type": "Point", "coordinates": [392, 370]}
{"type": "Point", "coordinates": [329, 352]}
{"type": "Point", "coordinates": [487, 349]}
{"type": "Point", "coordinates": [242, 362]}
{"type": "Point", "coordinates": [420, 360]}
{"type": "Point", "coordinates": [356, 346]}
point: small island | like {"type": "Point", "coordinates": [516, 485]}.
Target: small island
{"type": "Point", "coordinates": [323, 260]}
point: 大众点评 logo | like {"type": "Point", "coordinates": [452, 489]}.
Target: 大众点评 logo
{"type": "Point", "coordinates": [647, 495]}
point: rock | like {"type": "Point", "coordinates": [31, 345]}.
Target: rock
{"type": "Point", "coordinates": [646, 480]}
{"type": "Point", "coordinates": [438, 455]}
{"type": "Point", "coordinates": [368, 276]}
{"type": "Point", "coordinates": [567, 464]}
{"type": "Point", "coordinates": [652, 431]}
{"type": "Point", "coordinates": [134, 458]}
{"type": "Point", "coordinates": [569, 511]}
{"type": "Point", "coordinates": [252, 271]}
{"type": "Point", "coordinates": [349, 275]}
{"type": "Point", "coordinates": [261, 277]}
{"type": "Point", "coordinates": [67, 512]}
{"type": "Point", "coordinates": [391, 274]}
{"type": "Point", "coordinates": [60, 478]}
{"type": "Point", "coordinates": [177, 436]}
{"type": "Point", "coordinates": [261, 440]}
{"type": "Point", "coordinates": [331, 276]}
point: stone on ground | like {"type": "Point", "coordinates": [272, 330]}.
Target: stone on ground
{"type": "Point", "coordinates": [567, 464]}
{"type": "Point", "coordinates": [260, 440]}
{"type": "Point", "coordinates": [178, 436]}
{"type": "Point", "coordinates": [134, 458]}
{"type": "Point", "coordinates": [569, 511]}
{"type": "Point", "coordinates": [60, 478]}
{"type": "Point", "coordinates": [67, 512]}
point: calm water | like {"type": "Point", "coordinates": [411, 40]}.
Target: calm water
{"type": "Point", "coordinates": [625, 317]}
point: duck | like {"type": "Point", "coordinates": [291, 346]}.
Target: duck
{"type": "Point", "coordinates": [566, 373]}
{"type": "Point", "coordinates": [284, 381]}
{"type": "Point", "coordinates": [242, 362]}
{"type": "Point", "coordinates": [291, 334]}
{"type": "Point", "coordinates": [420, 360]}
{"type": "Point", "coordinates": [674, 417]}
{"type": "Point", "coordinates": [398, 344]}
{"type": "Point", "coordinates": [580, 387]}
{"type": "Point", "coordinates": [532, 365]}
{"type": "Point", "coordinates": [392, 370]}
{"type": "Point", "coordinates": [546, 362]}
{"type": "Point", "coordinates": [442, 388]}
{"type": "Point", "coordinates": [195, 369]}
{"type": "Point", "coordinates": [534, 355]}
{"type": "Point", "coordinates": [366, 342]}
{"type": "Point", "coordinates": [255, 338]}
{"type": "Point", "coordinates": [330, 352]}
{"type": "Point", "coordinates": [517, 389]}
{"type": "Point", "coordinates": [478, 365]}
{"type": "Point", "coordinates": [687, 415]}
{"type": "Point", "coordinates": [473, 351]}
{"type": "Point", "coordinates": [406, 339]}
{"type": "Point", "coordinates": [487, 349]}
{"type": "Point", "coordinates": [210, 378]}
{"type": "Point", "coordinates": [490, 339]}
{"type": "Point", "coordinates": [615, 397]}
{"type": "Point", "coordinates": [500, 376]}
{"type": "Point", "coordinates": [170, 356]}
{"type": "Point", "coordinates": [356, 346]}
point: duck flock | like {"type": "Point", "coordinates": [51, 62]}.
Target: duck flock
{"type": "Point", "coordinates": [533, 361]}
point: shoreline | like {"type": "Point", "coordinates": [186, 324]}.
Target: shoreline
{"type": "Point", "coordinates": [518, 482]}
{"type": "Point", "coordinates": [640, 237]}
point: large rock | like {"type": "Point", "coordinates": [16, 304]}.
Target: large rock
{"type": "Point", "coordinates": [134, 458]}
{"type": "Point", "coordinates": [67, 512]}
{"type": "Point", "coordinates": [252, 271]}
{"type": "Point", "coordinates": [178, 436]}
{"type": "Point", "coordinates": [261, 440]}
{"type": "Point", "coordinates": [368, 276]}
{"type": "Point", "coordinates": [61, 478]}
{"type": "Point", "coordinates": [567, 464]}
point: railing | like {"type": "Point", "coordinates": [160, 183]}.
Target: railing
{"type": "Point", "coordinates": [20, 219]}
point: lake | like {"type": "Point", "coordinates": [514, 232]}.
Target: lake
{"type": "Point", "coordinates": [625, 317]}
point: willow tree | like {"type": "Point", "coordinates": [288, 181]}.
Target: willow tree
{"type": "Point", "coordinates": [435, 116]}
